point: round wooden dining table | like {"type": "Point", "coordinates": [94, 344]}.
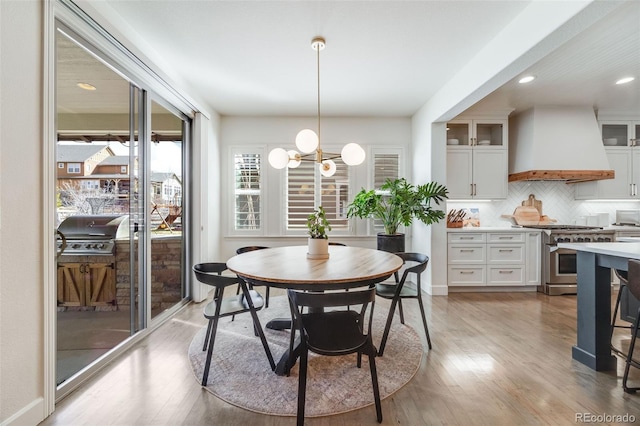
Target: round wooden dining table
{"type": "Point", "coordinates": [288, 268]}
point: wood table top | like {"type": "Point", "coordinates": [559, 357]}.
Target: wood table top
{"type": "Point", "coordinates": [288, 267]}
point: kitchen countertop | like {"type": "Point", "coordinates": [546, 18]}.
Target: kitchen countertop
{"type": "Point", "coordinates": [493, 229]}
{"type": "Point", "coordinates": [629, 250]}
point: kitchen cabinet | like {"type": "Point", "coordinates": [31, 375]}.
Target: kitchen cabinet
{"type": "Point", "coordinates": [86, 284]}
{"type": "Point", "coordinates": [494, 259]}
{"type": "Point", "coordinates": [622, 146]}
{"type": "Point", "coordinates": [477, 159]}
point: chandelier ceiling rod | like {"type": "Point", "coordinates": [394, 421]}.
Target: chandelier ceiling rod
{"type": "Point", "coordinates": [308, 141]}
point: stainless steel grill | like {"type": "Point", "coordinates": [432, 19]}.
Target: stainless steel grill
{"type": "Point", "coordinates": [91, 235]}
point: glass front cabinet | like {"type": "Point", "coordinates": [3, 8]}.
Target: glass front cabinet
{"type": "Point", "coordinates": [477, 159]}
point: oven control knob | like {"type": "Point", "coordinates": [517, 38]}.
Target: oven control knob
{"type": "Point", "coordinates": [100, 246]}
{"type": "Point", "coordinates": [587, 239]}
{"type": "Point", "coordinates": [607, 239]}
{"type": "Point", "coordinates": [75, 246]}
{"type": "Point", "coordinates": [580, 239]}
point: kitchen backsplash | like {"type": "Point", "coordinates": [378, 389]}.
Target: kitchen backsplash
{"type": "Point", "coordinates": [557, 202]}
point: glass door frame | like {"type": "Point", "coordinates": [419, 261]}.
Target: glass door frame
{"type": "Point", "coordinates": [66, 15]}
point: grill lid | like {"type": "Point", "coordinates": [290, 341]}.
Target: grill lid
{"type": "Point", "coordinates": [95, 227]}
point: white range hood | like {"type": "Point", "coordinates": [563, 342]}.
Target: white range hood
{"type": "Point", "coordinates": [557, 143]}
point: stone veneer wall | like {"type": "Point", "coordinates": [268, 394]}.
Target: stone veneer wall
{"type": "Point", "coordinates": [166, 273]}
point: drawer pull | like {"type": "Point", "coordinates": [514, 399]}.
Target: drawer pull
{"type": "Point", "coordinates": [505, 238]}
{"type": "Point", "coordinates": [466, 272]}
{"type": "Point", "coordinates": [466, 238]}
{"type": "Point", "coordinates": [505, 272]}
{"type": "Point", "coordinates": [505, 250]}
{"type": "Point", "coordinates": [467, 250]}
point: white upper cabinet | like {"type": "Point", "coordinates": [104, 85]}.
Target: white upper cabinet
{"type": "Point", "coordinates": [622, 145]}
{"type": "Point", "coordinates": [477, 159]}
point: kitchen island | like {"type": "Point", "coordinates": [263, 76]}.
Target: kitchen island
{"type": "Point", "coordinates": [594, 264]}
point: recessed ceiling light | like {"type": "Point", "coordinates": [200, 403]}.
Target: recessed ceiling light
{"type": "Point", "coordinates": [86, 86]}
{"type": "Point", "coordinates": [526, 79]}
{"type": "Point", "coordinates": [625, 80]}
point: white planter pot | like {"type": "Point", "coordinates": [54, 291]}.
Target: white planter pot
{"type": "Point", "coordinates": [318, 248]}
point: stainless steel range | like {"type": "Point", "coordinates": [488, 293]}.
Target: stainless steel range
{"type": "Point", "coordinates": [86, 259]}
{"type": "Point", "coordinates": [559, 266]}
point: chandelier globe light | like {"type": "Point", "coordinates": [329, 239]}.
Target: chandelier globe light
{"type": "Point", "coordinates": [308, 141]}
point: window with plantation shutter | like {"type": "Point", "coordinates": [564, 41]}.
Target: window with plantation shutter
{"type": "Point", "coordinates": [300, 194]}
{"type": "Point", "coordinates": [385, 166]}
{"type": "Point", "coordinates": [247, 191]}
{"type": "Point", "coordinates": [334, 196]}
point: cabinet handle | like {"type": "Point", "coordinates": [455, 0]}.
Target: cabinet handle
{"type": "Point", "coordinates": [466, 238]}
{"type": "Point", "coordinates": [505, 238]}
{"type": "Point", "coordinates": [505, 250]}
{"type": "Point", "coordinates": [471, 191]}
{"type": "Point", "coordinates": [467, 250]}
{"type": "Point", "coordinates": [505, 272]}
{"type": "Point", "coordinates": [466, 272]}
{"type": "Point", "coordinates": [475, 190]}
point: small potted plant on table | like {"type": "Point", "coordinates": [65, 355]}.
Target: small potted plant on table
{"type": "Point", "coordinates": [397, 203]}
{"type": "Point", "coordinates": [318, 241]}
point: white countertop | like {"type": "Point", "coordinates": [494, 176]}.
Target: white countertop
{"type": "Point", "coordinates": [493, 229]}
{"type": "Point", "coordinates": [628, 250]}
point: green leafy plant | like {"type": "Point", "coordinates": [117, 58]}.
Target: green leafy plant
{"type": "Point", "coordinates": [318, 224]}
{"type": "Point", "coordinates": [398, 203]}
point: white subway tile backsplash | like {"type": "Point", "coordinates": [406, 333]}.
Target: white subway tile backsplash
{"type": "Point", "coordinates": [557, 202]}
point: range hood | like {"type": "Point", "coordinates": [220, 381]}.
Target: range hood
{"type": "Point", "coordinates": [557, 143]}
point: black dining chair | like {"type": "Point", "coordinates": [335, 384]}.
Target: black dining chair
{"type": "Point", "coordinates": [633, 285]}
{"type": "Point", "coordinates": [249, 301]}
{"type": "Point", "coordinates": [333, 333]}
{"type": "Point", "coordinates": [398, 291]}
{"type": "Point", "coordinates": [252, 248]}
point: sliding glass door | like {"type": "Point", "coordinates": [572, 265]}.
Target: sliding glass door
{"type": "Point", "coordinates": [120, 189]}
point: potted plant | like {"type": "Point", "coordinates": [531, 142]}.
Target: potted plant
{"type": "Point", "coordinates": [397, 203]}
{"type": "Point", "coordinates": [318, 241]}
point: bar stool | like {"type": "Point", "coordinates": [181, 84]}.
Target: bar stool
{"type": "Point", "coordinates": [622, 276]}
{"type": "Point", "coordinates": [633, 285]}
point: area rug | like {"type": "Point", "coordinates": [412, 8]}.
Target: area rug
{"type": "Point", "coordinates": [240, 373]}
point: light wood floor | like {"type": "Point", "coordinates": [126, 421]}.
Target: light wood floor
{"type": "Point", "coordinates": [497, 359]}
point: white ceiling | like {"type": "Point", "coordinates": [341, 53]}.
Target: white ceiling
{"type": "Point", "coordinates": [383, 58]}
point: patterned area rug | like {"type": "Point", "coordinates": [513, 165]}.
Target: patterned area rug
{"type": "Point", "coordinates": [240, 373]}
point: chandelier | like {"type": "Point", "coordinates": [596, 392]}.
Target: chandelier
{"type": "Point", "coordinates": [308, 141]}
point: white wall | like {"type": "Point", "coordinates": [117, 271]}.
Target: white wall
{"type": "Point", "coordinates": [21, 286]}
{"type": "Point", "coordinates": [272, 132]}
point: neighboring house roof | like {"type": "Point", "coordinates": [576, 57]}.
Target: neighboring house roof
{"type": "Point", "coordinates": [115, 160]}
{"type": "Point", "coordinates": [77, 153]}
{"type": "Point", "coordinates": [161, 177]}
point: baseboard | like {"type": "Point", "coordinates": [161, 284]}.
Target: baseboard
{"type": "Point", "coordinates": [437, 290]}
{"type": "Point", "coordinates": [31, 414]}
{"type": "Point", "coordinates": [519, 289]}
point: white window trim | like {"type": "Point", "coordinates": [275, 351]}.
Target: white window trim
{"type": "Point", "coordinates": [246, 149]}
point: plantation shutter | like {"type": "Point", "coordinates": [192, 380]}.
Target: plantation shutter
{"type": "Point", "coordinates": [300, 197]}
{"type": "Point", "coordinates": [334, 197]}
{"type": "Point", "coordinates": [386, 166]}
{"type": "Point", "coordinates": [247, 209]}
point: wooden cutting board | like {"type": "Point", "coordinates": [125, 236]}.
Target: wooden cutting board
{"type": "Point", "coordinates": [532, 202]}
{"type": "Point", "coordinates": [525, 215]}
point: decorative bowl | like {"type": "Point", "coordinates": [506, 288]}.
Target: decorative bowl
{"type": "Point", "coordinates": [484, 142]}
{"type": "Point", "coordinates": [610, 141]}
{"type": "Point", "coordinates": [453, 141]}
